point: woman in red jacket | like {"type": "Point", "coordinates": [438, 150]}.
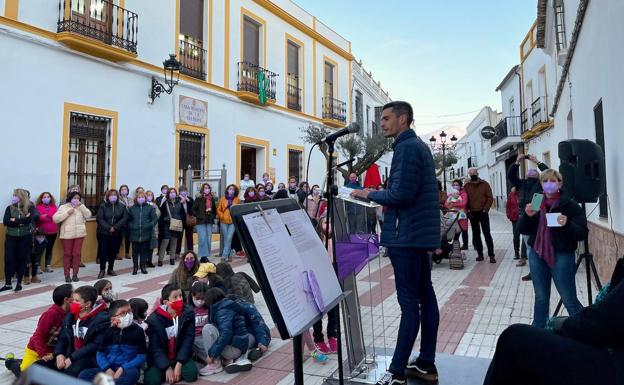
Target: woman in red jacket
{"type": "Point", "coordinates": [513, 214]}
{"type": "Point", "coordinates": [46, 205]}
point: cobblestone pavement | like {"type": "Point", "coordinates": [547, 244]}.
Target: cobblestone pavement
{"type": "Point", "coordinates": [476, 305]}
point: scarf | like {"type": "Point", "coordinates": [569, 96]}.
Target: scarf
{"type": "Point", "coordinates": [80, 334]}
{"type": "Point", "coordinates": [229, 199]}
{"type": "Point", "coordinates": [171, 339]}
{"type": "Point", "coordinates": [543, 244]}
{"type": "Point", "coordinates": [208, 199]}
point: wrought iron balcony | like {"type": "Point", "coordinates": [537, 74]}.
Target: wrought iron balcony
{"type": "Point", "coordinates": [293, 93]}
{"type": "Point", "coordinates": [539, 113]}
{"type": "Point", "coordinates": [334, 112]}
{"type": "Point", "coordinates": [100, 20]}
{"type": "Point", "coordinates": [507, 127]}
{"type": "Point", "coordinates": [255, 82]}
{"type": "Point", "coordinates": [524, 120]}
{"type": "Point", "coordinates": [193, 60]}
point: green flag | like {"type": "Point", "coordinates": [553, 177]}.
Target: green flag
{"type": "Point", "coordinates": [262, 94]}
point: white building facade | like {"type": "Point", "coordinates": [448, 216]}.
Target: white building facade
{"type": "Point", "coordinates": [79, 75]}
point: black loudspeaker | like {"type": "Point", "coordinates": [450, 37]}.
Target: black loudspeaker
{"type": "Point", "coordinates": [582, 166]}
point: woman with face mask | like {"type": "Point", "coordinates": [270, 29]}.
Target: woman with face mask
{"type": "Point", "coordinates": [149, 197]}
{"type": "Point", "coordinates": [227, 225]}
{"type": "Point", "coordinates": [19, 219]}
{"type": "Point", "coordinates": [292, 187]}
{"type": "Point", "coordinates": [554, 229]}
{"type": "Point", "coordinates": [46, 205]}
{"type": "Point", "coordinates": [303, 192]}
{"type": "Point", "coordinates": [72, 218]}
{"type": "Point", "coordinates": [170, 209]}
{"type": "Point", "coordinates": [246, 182]}
{"type": "Point", "coordinates": [126, 200]}
{"type": "Point", "coordinates": [250, 195]}
{"type": "Point", "coordinates": [268, 188]}
{"type": "Point", "coordinates": [205, 210]}
{"type": "Point", "coordinates": [315, 206]}
{"type": "Point", "coordinates": [187, 205]}
{"type": "Point", "coordinates": [262, 195]}
{"type": "Point", "coordinates": [112, 218]}
{"type": "Point", "coordinates": [182, 276]}
{"type": "Point", "coordinates": [457, 199]}
{"type": "Point", "coordinates": [141, 221]}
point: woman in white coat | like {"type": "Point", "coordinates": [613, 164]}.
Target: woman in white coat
{"type": "Point", "coordinates": [72, 231]}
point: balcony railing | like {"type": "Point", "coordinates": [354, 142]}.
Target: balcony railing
{"type": "Point", "coordinates": [293, 93]}
{"type": "Point", "coordinates": [251, 77]}
{"type": "Point", "coordinates": [472, 162]}
{"type": "Point", "coordinates": [539, 113]}
{"type": "Point", "coordinates": [102, 21]}
{"type": "Point", "coordinates": [524, 120]}
{"type": "Point", "coordinates": [507, 127]}
{"type": "Point", "coordinates": [193, 60]}
{"type": "Point", "coordinates": [334, 109]}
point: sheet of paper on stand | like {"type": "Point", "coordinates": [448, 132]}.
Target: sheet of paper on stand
{"type": "Point", "coordinates": [345, 193]}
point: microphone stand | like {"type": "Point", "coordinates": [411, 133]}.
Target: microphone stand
{"type": "Point", "coordinates": [329, 225]}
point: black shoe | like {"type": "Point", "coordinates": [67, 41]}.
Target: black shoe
{"type": "Point", "coordinates": [101, 274]}
{"type": "Point", "coordinates": [150, 265]}
{"type": "Point", "coordinates": [13, 364]}
{"type": "Point", "coordinates": [128, 257]}
{"type": "Point", "coordinates": [6, 288]}
{"type": "Point", "coordinates": [112, 273]}
{"type": "Point", "coordinates": [492, 259]}
{"type": "Point", "coordinates": [254, 354]}
{"type": "Point", "coordinates": [159, 263]}
{"type": "Point", "coordinates": [527, 277]}
{"type": "Point", "coordinates": [171, 261]}
{"type": "Point", "coordinates": [18, 287]}
{"type": "Point", "coordinates": [67, 279]}
{"type": "Point", "coordinates": [422, 370]}
{"type": "Point", "coordinates": [143, 269]}
{"type": "Point", "coordinates": [82, 264]}
{"type": "Point", "coordinates": [480, 258]}
{"type": "Point", "coordinates": [135, 270]}
{"type": "Point", "coordinates": [75, 278]}
{"type": "Point", "coordinates": [391, 379]}
{"type": "Point", "coordinates": [517, 256]}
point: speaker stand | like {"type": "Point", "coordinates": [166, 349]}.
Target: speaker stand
{"type": "Point", "coordinates": [590, 268]}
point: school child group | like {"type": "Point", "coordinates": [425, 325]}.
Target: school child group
{"type": "Point", "coordinates": [201, 320]}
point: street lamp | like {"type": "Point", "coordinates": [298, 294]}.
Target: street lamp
{"type": "Point", "coordinates": [172, 76]}
{"type": "Point", "coordinates": [443, 146]}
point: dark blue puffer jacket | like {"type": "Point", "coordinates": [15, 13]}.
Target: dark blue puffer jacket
{"type": "Point", "coordinates": [412, 217]}
{"type": "Point", "coordinates": [227, 316]}
{"type": "Point", "coordinates": [255, 323]}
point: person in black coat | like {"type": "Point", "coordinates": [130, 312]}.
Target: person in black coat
{"type": "Point", "coordinates": [187, 201]}
{"type": "Point", "coordinates": [112, 217]}
{"type": "Point", "coordinates": [171, 334]}
{"type": "Point", "coordinates": [170, 208]}
{"type": "Point", "coordinates": [587, 348]}
{"type": "Point", "coordinates": [552, 257]}
{"type": "Point", "coordinates": [75, 352]}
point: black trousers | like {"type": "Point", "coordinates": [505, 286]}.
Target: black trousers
{"type": "Point", "coordinates": [51, 238]}
{"type": "Point", "coordinates": [533, 356]}
{"type": "Point", "coordinates": [516, 238]}
{"type": "Point", "coordinates": [35, 257]}
{"type": "Point", "coordinates": [16, 256]}
{"type": "Point", "coordinates": [480, 221]}
{"type": "Point", "coordinates": [141, 253]}
{"type": "Point", "coordinates": [108, 246]}
{"type": "Point", "coordinates": [332, 327]}
{"type": "Point", "coordinates": [188, 235]}
{"type": "Point", "coordinates": [464, 235]}
{"type": "Point", "coordinates": [74, 369]}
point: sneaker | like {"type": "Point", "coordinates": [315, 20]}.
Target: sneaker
{"type": "Point", "coordinates": [391, 379]}
{"type": "Point", "coordinates": [333, 345]}
{"type": "Point", "coordinates": [48, 269]}
{"type": "Point", "coordinates": [241, 364]}
{"type": "Point", "coordinates": [35, 279]}
{"type": "Point", "coordinates": [241, 254]}
{"type": "Point", "coordinates": [318, 356]}
{"type": "Point", "coordinates": [521, 262]}
{"type": "Point", "coordinates": [492, 259]}
{"type": "Point", "coordinates": [527, 277]}
{"type": "Point", "coordinates": [422, 370]}
{"type": "Point", "coordinates": [322, 347]}
{"type": "Point", "coordinates": [213, 368]}
{"type": "Point", "coordinates": [480, 258]}
{"type": "Point", "coordinates": [254, 354]}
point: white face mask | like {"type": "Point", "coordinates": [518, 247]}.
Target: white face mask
{"type": "Point", "coordinates": [198, 302]}
{"type": "Point", "coordinates": [109, 295]}
{"type": "Point", "coordinates": [125, 321]}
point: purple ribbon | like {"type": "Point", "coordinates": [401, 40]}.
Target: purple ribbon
{"type": "Point", "coordinates": [313, 290]}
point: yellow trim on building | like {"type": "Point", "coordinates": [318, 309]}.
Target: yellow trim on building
{"type": "Point", "coordinates": [244, 12]}
{"type": "Point", "coordinates": [295, 148]}
{"type": "Point", "coordinates": [327, 59]}
{"type": "Point", "coordinates": [68, 108]}
{"type": "Point", "coordinates": [255, 142]}
{"type": "Point", "coordinates": [528, 37]}
{"type": "Point", "coordinates": [199, 130]}
{"type": "Point", "coordinates": [11, 9]}
{"type": "Point", "coordinates": [350, 91]}
{"type": "Point", "coordinates": [226, 47]}
{"type": "Point", "coordinates": [302, 74]}
{"type": "Point", "coordinates": [210, 32]}
{"type": "Point", "coordinates": [27, 28]}
{"type": "Point", "coordinates": [176, 38]}
{"type": "Point", "coordinates": [94, 47]}
{"type": "Point", "coordinates": [315, 86]}
{"type": "Point", "coordinates": [298, 24]}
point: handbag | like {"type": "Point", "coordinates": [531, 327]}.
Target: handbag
{"type": "Point", "coordinates": [191, 220]}
{"type": "Point", "coordinates": [174, 224]}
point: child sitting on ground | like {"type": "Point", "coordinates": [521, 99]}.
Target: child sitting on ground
{"type": "Point", "coordinates": [207, 273]}
{"type": "Point", "coordinates": [41, 343]}
{"type": "Point", "coordinates": [204, 332]}
{"type": "Point", "coordinates": [82, 334]}
{"type": "Point", "coordinates": [171, 333]}
{"type": "Point", "coordinates": [122, 352]}
{"type": "Point", "coordinates": [257, 327]}
{"type": "Point", "coordinates": [139, 311]}
{"type": "Point", "coordinates": [239, 284]}
{"type": "Point", "coordinates": [105, 292]}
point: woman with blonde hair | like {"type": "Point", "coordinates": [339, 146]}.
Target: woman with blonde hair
{"type": "Point", "coordinates": [72, 217]}
{"type": "Point", "coordinates": [19, 219]}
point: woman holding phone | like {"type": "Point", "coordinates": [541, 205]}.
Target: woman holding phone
{"type": "Point", "coordinates": [554, 231]}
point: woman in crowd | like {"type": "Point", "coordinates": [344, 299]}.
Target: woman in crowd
{"type": "Point", "coordinates": [105, 292]}
{"type": "Point", "coordinates": [164, 194]}
{"type": "Point", "coordinates": [187, 204]}
{"type": "Point", "coordinates": [457, 199]}
{"type": "Point", "coordinates": [266, 178]}
{"type": "Point", "coordinates": [281, 186]}
{"type": "Point", "coordinates": [303, 192]}
{"type": "Point", "coordinates": [149, 196]}
{"type": "Point", "coordinates": [72, 217]}
{"type": "Point", "coordinates": [173, 224]}
{"type": "Point", "coordinates": [314, 206]}
{"type": "Point", "coordinates": [227, 225]}
{"type": "Point", "coordinates": [46, 205]}
{"type": "Point", "coordinates": [205, 210]}
{"type": "Point", "coordinates": [513, 214]}
{"type": "Point", "coordinates": [126, 200]}
{"type": "Point", "coordinates": [182, 276]}
{"type": "Point", "coordinates": [269, 190]}
{"type": "Point", "coordinates": [246, 182]}
{"type": "Point", "coordinates": [250, 195]}
{"type": "Point", "coordinates": [112, 218]}
{"type": "Point", "coordinates": [141, 221]}
{"type": "Point", "coordinates": [19, 219]}
{"type": "Point", "coordinates": [553, 246]}
{"type": "Point", "coordinates": [262, 195]}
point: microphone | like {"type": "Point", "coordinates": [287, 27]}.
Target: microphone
{"type": "Point", "coordinates": [350, 129]}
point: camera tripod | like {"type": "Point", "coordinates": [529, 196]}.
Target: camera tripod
{"type": "Point", "coordinates": [590, 268]}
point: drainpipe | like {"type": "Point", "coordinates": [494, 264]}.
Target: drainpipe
{"type": "Point", "coordinates": [521, 109]}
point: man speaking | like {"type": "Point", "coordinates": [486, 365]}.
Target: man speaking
{"type": "Point", "coordinates": [410, 230]}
